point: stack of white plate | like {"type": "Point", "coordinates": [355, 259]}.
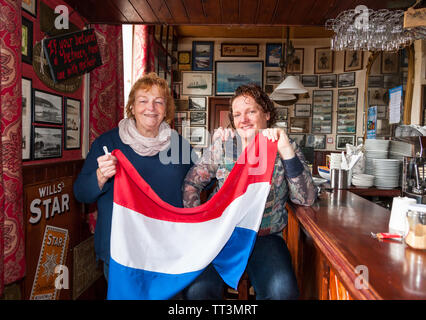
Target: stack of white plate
{"type": "Point", "coordinates": [375, 149]}
{"type": "Point", "coordinates": [362, 180]}
{"type": "Point", "coordinates": [386, 173]}
{"type": "Point", "coordinates": [335, 160]}
{"type": "Point", "coordinates": [399, 150]}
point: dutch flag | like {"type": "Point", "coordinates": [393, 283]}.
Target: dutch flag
{"type": "Point", "coordinates": [157, 249]}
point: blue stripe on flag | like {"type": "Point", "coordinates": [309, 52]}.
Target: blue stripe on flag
{"type": "Point", "coordinates": [125, 283]}
{"type": "Point", "coordinates": [231, 261]}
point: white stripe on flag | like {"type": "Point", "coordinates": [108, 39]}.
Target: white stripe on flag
{"type": "Point", "coordinates": [176, 247]}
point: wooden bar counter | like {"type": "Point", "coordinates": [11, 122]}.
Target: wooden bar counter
{"type": "Point", "coordinates": [335, 257]}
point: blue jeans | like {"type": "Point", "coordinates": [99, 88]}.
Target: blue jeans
{"type": "Point", "coordinates": [269, 269]}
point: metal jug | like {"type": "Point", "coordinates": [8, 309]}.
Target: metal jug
{"type": "Point", "coordinates": [339, 178]}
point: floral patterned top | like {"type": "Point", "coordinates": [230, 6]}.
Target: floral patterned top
{"type": "Point", "coordinates": [291, 180]}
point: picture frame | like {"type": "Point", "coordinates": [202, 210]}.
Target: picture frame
{"type": "Point", "coordinates": [302, 110]}
{"type": "Point", "coordinates": [322, 111]}
{"type": "Point", "coordinates": [197, 83]}
{"type": "Point", "coordinates": [316, 141]}
{"type": "Point", "coordinates": [197, 104]}
{"type": "Point", "coordinates": [184, 60]}
{"type": "Point", "coordinates": [354, 60]}
{"type": "Point", "coordinates": [309, 80]}
{"type": "Point", "coordinates": [295, 65]}
{"type": "Point", "coordinates": [390, 62]}
{"type": "Point", "coordinates": [298, 138]}
{"type": "Point", "coordinates": [391, 80]}
{"type": "Point", "coordinates": [324, 60]}
{"type": "Point", "coordinates": [47, 107]}
{"type": "Point", "coordinates": [180, 118]}
{"type": "Point", "coordinates": [26, 118]}
{"type": "Point", "coordinates": [342, 140]}
{"type": "Point", "coordinates": [282, 114]}
{"type": "Point", "coordinates": [375, 81]}
{"type": "Point", "coordinates": [273, 77]}
{"type": "Point", "coordinates": [196, 136]}
{"type": "Point", "coordinates": [46, 142]}
{"type": "Point", "coordinates": [328, 81]}
{"type": "Point", "coordinates": [347, 101]}
{"type": "Point", "coordinates": [202, 55]}
{"type": "Point", "coordinates": [273, 54]}
{"type": "Point", "coordinates": [231, 74]}
{"type": "Point", "coordinates": [239, 50]}
{"type": "Point", "coordinates": [197, 118]}
{"type": "Point", "coordinates": [30, 6]}
{"type": "Point", "coordinates": [27, 41]}
{"type": "Point", "coordinates": [346, 80]}
{"type": "Point", "coordinates": [300, 124]}
{"type": "Point", "coordinates": [378, 96]}
{"type": "Point", "coordinates": [72, 124]}
{"type": "Point", "coordinates": [382, 112]}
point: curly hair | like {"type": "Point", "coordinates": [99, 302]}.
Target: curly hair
{"type": "Point", "coordinates": [146, 82]}
{"type": "Point", "coordinates": [261, 98]}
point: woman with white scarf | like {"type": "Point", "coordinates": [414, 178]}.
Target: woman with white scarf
{"type": "Point", "coordinates": [147, 140]}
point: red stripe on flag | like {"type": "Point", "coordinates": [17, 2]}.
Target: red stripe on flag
{"type": "Point", "coordinates": [132, 191]}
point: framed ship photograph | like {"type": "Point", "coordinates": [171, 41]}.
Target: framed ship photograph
{"type": "Point", "coordinates": [309, 80]}
{"type": "Point", "coordinates": [197, 104]}
{"type": "Point", "coordinates": [197, 83]}
{"type": "Point", "coordinates": [202, 55]}
{"type": "Point", "coordinates": [46, 142]}
{"type": "Point", "coordinates": [72, 124]}
{"type": "Point", "coordinates": [47, 107]}
{"type": "Point", "coordinates": [342, 140]}
{"type": "Point", "coordinates": [346, 79]}
{"type": "Point", "coordinates": [299, 124]}
{"type": "Point", "coordinates": [302, 110]}
{"type": "Point", "coordinates": [231, 74]}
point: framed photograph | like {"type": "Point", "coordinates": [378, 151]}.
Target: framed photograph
{"type": "Point", "coordinates": [197, 83]}
{"type": "Point", "coordinates": [282, 114]}
{"type": "Point", "coordinates": [195, 135]}
{"type": "Point", "coordinates": [295, 64]}
{"type": "Point", "coordinates": [328, 81]}
{"type": "Point", "coordinates": [202, 55]}
{"type": "Point", "coordinates": [342, 140]}
{"type": "Point", "coordinates": [310, 80]}
{"type": "Point", "coordinates": [378, 96]}
{"type": "Point", "coordinates": [302, 110]}
{"type": "Point", "coordinates": [30, 6]}
{"type": "Point", "coordinates": [72, 124]}
{"type": "Point", "coordinates": [382, 112]}
{"type": "Point", "coordinates": [354, 60]}
{"type": "Point", "coordinates": [46, 142]}
{"type": "Point", "coordinates": [390, 62]}
{"type": "Point", "coordinates": [26, 118]}
{"type": "Point", "coordinates": [298, 138]}
{"type": "Point", "coordinates": [231, 74]}
{"type": "Point", "coordinates": [322, 111]}
{"type": "Point", "coordinates": [197, 104]}
{"type": "Point", "coordinates": [323, 60]}
{"type": "Point", "coordinates": [346, 79]}
{"type": "Point", "coordinates": [391, 80]}
{"type": "Point", "coordinates": [273, 54]}
{"type": "Point", "coordinates": [375, 81]}
{"type": "Point", "coordinates": [316, 141]}
{"type": "Point", "coordinates": [184, 60]}
{"type": "Point", "coordinates": [198, 118]}
{"type": "Point", "coordinates": [47, 107]}
{"type": "Point", "coordinates": [180, 118]}
{"type": "Point", "coordinates": [27, 41]}
{"type": "Point", "coordinates": [273, 77]}
{"type": "Point", "coordinates": [299, 124]}
{"type": "Point", "coordinates": [347, 100]}
{"type": "Point", "coordinates": [239, 50]}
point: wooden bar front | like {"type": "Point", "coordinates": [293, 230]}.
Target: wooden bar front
{"type": "Point", "coordinates": [335, 257]}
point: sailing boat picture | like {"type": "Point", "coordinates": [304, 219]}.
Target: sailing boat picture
{"type": "Point", "coordinates": [232, 74]}
{"type": "Point", "coordinates": [197, 83]}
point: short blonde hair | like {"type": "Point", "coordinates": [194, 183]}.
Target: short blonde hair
{"type": "Point", "coordinates": [146, 83]}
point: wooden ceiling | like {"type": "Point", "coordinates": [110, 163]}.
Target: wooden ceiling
{"type": "Point", "coordinates": [220, 16]}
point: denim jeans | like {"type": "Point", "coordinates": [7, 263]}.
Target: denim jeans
{"type": "Point", "coordinates": [269, 269]}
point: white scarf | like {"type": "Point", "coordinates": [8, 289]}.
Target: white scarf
{"type": "Point", "coordinates": [142, 145]}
